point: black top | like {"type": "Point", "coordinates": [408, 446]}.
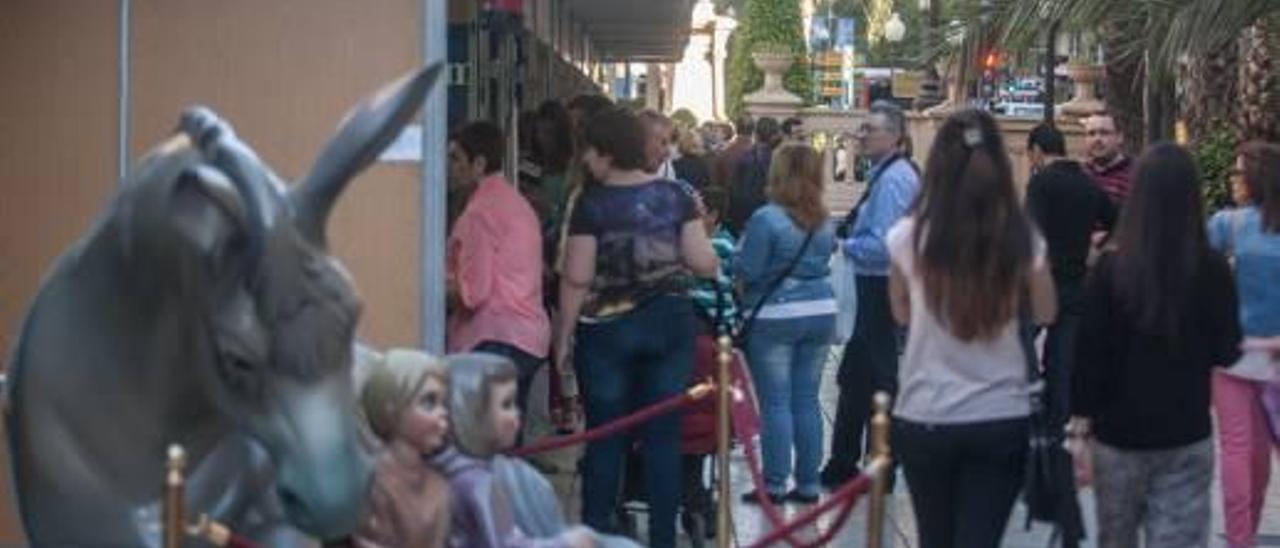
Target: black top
{"type": "Point", "coordinates": [1147, 391]}
{"type": "Point", "coordinates": [747, 189]}
{"type": "Point", "coordinates": [1068, 207]}
{"type": "Point", "coordinates": [693, 170]}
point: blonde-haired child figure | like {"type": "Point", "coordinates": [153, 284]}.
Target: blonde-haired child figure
{"type": "Point", "coordinates": [405, 402]}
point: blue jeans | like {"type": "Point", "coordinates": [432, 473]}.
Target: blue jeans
{"type": "Point", "coordinates": [624, 364]}
{"type": "Point", "coordinates": [786, 359]}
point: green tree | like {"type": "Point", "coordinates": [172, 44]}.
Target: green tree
{"type": "Point", "coordinates": [773, 23]}
{"type": "Point", "coordinates": [1148, 41]}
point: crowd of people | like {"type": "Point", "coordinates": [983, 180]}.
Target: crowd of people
{"type": "Point", "coordinates": [627, 242]}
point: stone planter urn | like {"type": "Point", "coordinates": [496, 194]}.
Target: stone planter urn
{"type": "Point", "coordinates": [950, 72]}
{"type": "Point", "coordinates": [1085, 102]}
{"type": "Point", "coordinates": [774, 65]}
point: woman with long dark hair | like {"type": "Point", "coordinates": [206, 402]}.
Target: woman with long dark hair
{"type": "Point", "coordinates": [626, 320]}
{"type": "Point", "coordinates": [1250, 234]}
{"type": "Point", "coordinates": [1160, 312]}
{"type": "Point", "coordinates": [961, 262]}
{"type": "Point", "coordinates": [783, 264]}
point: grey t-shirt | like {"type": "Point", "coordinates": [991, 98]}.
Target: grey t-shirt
{"type": "Point", "coordinates": [943, 379]}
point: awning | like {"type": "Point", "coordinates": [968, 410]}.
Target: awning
{"type": "Point", "coordinates": [636, 30]}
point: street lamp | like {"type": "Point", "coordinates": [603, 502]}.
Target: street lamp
{"type": "Point", "coordinates": [894, 31]}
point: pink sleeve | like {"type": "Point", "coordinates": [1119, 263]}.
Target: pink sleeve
{"type": "Point", "coordinates": [476, 256]}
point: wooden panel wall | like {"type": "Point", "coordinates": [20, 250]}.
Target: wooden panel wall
{"type": "Point", "coordinates": [284, 73]}
{"type": "Point", "coordinates": [57, 137]}
{"type": "Point", "coordinates": [57, 153]}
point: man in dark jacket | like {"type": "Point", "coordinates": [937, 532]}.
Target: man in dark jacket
{"type": "Point", "coordinates": [727, 160]}
{"type": "Point", "coordinates": [1069, 208]}
{"type": "Point", "coordinates": [746, 187]}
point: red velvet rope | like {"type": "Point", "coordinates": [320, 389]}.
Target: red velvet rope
{"type": "Point", "coordinates": [846, 497]}
{"type": "Point", "coordinates": [237, 541]}
{"type": "Point", "coordinates": [613, 427]}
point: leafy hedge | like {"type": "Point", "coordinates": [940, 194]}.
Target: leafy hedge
{"type": "Point", "coordinates": [1215, 154]}
{"type": "Point", "coordinates": [774, 22]}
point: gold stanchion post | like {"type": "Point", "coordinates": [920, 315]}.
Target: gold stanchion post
{"type": "Point", "coordinates": [174, 511]}
{"type": "Point", "coordinates": [724, 357]}
{"type": "Point", "coordinates": [881, 467]}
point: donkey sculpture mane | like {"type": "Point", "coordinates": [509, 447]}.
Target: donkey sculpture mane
{"type": "Point", "coordinates": [203, 309]}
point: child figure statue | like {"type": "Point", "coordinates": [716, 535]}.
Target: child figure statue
{"type": "Point", "coordinates": [486, 420]}
{"type": "Point", "coordinates": [405, 403]}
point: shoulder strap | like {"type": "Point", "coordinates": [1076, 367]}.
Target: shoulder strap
{"type": "Point", "coordinates": [871, 183]}
{"type": "Point", "coordinates": [774, 285]}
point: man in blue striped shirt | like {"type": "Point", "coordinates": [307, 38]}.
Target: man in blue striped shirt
{"type": "Point", "coordinates": [870, 360]}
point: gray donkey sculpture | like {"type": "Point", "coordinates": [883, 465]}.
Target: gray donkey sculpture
{"type": "Point", "coordinates": [202, 309]}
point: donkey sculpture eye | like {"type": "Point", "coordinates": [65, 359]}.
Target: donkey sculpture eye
{"type": "Point", "coordinates": [240, 375]}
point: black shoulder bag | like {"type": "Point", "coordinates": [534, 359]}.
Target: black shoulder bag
{"type": "Point", "coordinates": [845, 228]}
{"type": "Point", "coordinates": [1049, 488]}
{"type": "Point", "coordinates": [742, 333]}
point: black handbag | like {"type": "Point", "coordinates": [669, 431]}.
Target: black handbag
{"type": "Point", "coordinates": [1049, 488]}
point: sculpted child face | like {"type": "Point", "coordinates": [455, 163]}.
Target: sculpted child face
{"type": "Point", "coordinates": [503, 413]}
{"type": "Point", "coordinates": [424, 423]}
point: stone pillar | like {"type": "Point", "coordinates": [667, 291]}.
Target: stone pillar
{"type": "Point", "coordinates": [653, 86]}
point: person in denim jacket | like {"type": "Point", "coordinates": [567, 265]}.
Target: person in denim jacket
{"type": "Point", "coordinates": [1250, 235]}
{"type": "Point", "coordinates": [790, 336]}
{"type": "Point", "coordinates": [870, 360]}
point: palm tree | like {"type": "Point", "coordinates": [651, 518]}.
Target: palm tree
{"type": "Point", "coordinates": [1149, 40]}
{"type": "Point", "coordinates": [1259, 113]}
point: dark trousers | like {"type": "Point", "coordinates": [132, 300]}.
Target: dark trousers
{"type": "Point", "coordinates": [1060, 353]}
{"type": "Point", "coordinates": [869, 365]}
{"type": "Point", "coordinates": [963, 478]}
{"type": "Point", "coordinates": [624, 364]}
{"type": "Point", "coordinates": [526, 367]}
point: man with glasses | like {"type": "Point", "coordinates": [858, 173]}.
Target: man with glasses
{"type": "Point", "coordinates": [870, 360]}
{"type": "Point", "coordinates": [1107, 164]}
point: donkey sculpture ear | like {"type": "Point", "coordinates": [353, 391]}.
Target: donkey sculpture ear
{"type": "Point", "coordinates": [362, 136]}
{"type": "Point", "coordinates": [207, 211]}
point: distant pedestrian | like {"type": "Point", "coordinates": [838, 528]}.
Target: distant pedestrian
{"type": "Point", "coordinates": [751, 174]}
{"type": "Point", "coordinates": [870, 361]}
{"type": "Point", "coordinates": [1160, 312]}
{"type": "Point", "coordinates": [1068, 208]}
{"type": "Point", "coordinates": [726, 162]}
{"type": "Point", "coordinates": [783, 264]}
{"type": "Point", "coordinates": [1250, 236]}
{"type": "Point", "coordinates": [494, 280]}
{"type": "Point", "coordinates": [690, 164]}
{"type": "Point", "coordinates": [965, 261]}
{"type": "Point", "coordinates": [626, 322]}
{"type": "Point", "coordinates": [1107, 163]}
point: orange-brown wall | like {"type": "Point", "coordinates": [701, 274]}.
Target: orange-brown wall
{"type": "Point", "coordinates": [283, 72]}
{"type": "Point", "coordinates": [57, 151]}
{"type": "Point", "coordinates": [57, 137]}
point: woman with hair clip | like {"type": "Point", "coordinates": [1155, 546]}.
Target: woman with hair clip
{"type": "Point", "coordinates": [1250, 234]}
{"type": "Point", "coordinates": [963, 262]}
{"type": "Point", "coordinates": [783, 264]}
{"type": "Point", "coordinates": [1160, 312]}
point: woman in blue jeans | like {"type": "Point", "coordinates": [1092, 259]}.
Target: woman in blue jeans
{"type": "Point", "coordinates": [784, 259]}
{"type": "Point", "coordinates": [633, 240]}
